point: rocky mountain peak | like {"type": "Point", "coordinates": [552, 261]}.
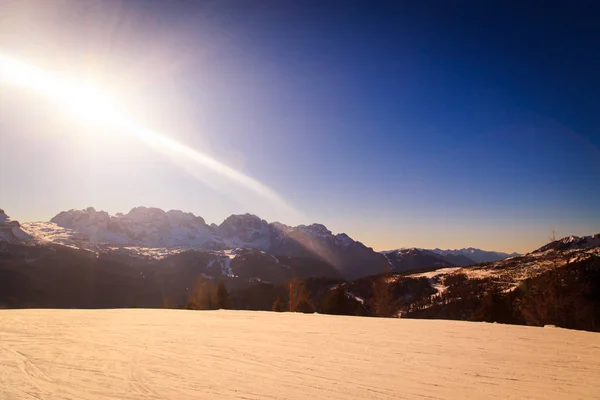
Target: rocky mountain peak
{"type": "Point", "coordinates": [10, 231]}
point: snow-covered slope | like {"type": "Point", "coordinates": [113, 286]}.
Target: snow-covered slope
{"type": "Point", "coordinates": [178, 354]}
{"type": "Point", "coordinates": [508, 273]}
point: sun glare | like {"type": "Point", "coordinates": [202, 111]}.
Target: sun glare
{"type": "Point", "coordinates": [91, 105]}
{"type": "Point", "coordinates": [82, 101]}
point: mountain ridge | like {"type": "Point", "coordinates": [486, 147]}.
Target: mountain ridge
{"type": "Point", "coordinates": [150, 227]}
{"type": "Point", "coordinates": [406, 259]}
{"type": "Point", "coordinates": [175, 230]}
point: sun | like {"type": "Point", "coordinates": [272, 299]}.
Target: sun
{"type": "Point", "coordinates": [82, 101]}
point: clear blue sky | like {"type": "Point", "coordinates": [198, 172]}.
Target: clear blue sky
{"type": "Point", "coordinates": [426, 123]}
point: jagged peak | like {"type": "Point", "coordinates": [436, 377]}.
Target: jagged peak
{"type": "Point", "coordinates": [10, 230]}
{"type": "Point", "coordinates": [319, 229]}
{"type": "Point", "coordinates": [344, 239]}
{"type": "Point", "coordinates": [243, 220]}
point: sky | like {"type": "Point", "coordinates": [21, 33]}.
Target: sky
{"type": "Point", "coordinates": [425, 123]}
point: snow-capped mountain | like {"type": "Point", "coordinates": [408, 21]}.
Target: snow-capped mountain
{"type": "Point", "coordinates": [142, 226]}
{"type": "Point", "coordinates": [245, 230]}
{"type": "Point", "coordinates": [145, 227]}
{"type": "Point", "coordinates": [10, 231]}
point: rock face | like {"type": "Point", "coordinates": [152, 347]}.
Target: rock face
{"type": "Point", "coordinates": [245, 230]}
{"type": "Point", "coordinates": [10, 231]}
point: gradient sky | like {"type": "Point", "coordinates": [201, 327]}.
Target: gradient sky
{"type": "Point", "coordinates": [427, 123]}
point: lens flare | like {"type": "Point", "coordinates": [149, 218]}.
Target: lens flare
{"type": "Point", "coordinates": [91, 105]}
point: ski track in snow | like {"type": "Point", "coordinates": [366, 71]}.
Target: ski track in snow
{"type": "Point", "coordinates": [179, 354]}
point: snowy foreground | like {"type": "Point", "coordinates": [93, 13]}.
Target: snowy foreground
{"type": "Point", "coordinates": [176, 354]}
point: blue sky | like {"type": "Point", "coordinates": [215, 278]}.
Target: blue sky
{"type": "Point", "coordinates": [429, 124]}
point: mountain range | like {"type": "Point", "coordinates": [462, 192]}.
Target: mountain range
{"type": "Point", "coordinates": [152, 231]}
{"type": "Point", "coordinates": [408, 259]}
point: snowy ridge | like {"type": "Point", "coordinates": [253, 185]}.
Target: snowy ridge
{"type": "Point", "coordinates": [155, 228]}
{"type": "Point", "coordinates": [142, 226]}
{"type": "Point", "coordinates": [152, 232]}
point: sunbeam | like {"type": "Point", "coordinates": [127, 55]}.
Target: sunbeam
{"type": "Point", "coordinates": [93, 106]}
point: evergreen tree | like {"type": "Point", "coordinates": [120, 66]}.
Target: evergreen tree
{"type": "Point", "coordinates": [339, 302]}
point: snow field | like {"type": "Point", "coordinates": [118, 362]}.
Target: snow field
{"type": "Point", "coordinates": [178, 354]}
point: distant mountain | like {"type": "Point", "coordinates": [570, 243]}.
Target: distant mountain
{"type": "Point", "coordinates": [457, 259]}
{"type": "Point", "coordinates": [403, 260]}
{"type": "Point", "coordinates": [572, 243]}
{"type": "Point", "coordinates": [477, 255]}
{"type": "Point", "coordinates": [152, 228]}
{"type": "Point", "coordinates": [410, 259]}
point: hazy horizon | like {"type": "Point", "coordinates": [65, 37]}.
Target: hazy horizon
{"type": "Point", "coordinates": [399, 124]}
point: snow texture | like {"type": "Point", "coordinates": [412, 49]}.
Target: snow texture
{"type": "Point", "coordinates": [179, 354]}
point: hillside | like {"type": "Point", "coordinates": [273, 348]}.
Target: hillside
{"type": "Point", "coordinates": [167, 354]}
